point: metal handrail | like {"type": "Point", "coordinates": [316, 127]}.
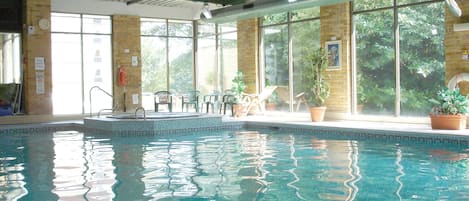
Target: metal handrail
{"type": "Point", "coordinates": [102, 90]}
{"type": "Point", "coordinates": [144, 112]}
{"type": "Point", "coordinates": [99, 113]}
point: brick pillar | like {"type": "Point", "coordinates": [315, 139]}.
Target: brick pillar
{"type": "Point", "coordinates": [37, 82]}
{"type": "Point", "coordinates": [248, 51]}
{"type": "Point", "coordinates": [456, 43]}
{"type": "Point", "coordinates": [126, 43]}
{"type": "Point", "coordinates": [335, 22]}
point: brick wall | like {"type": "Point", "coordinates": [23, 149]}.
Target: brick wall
{"type": "Point", "coordinates": [248, 49]}
{"type": "Point", "coordinates": [455, 43]}
{"type": "Point", "coordinates": [36, 44]}
{"type": "Point", "coordinates": [125, 44]}
{"type": "Point", "coordinates": [335, 22]}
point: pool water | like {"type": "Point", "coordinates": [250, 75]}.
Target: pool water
{"type": "Point", "coordinates": [227, 165]}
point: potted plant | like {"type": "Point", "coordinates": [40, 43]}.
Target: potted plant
{"type": "Point", "coordinates": [237, 87]}
{"type": "Point", "coordinates": [450, 110]}
{"type": "Point", "coordinates": [272, 102]}
{"type": "Point", "coordinates": [316, 89]}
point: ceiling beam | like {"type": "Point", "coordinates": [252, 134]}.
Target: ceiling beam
{"type": "Point", "coordinates": [132, 2]}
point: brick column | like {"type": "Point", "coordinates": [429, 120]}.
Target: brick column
{"type": "Point", "coordinates": [126, 43]}
{"type": "Point", "coordinates": [335, 22]}
{"type": "Point", "coordinates": [456, 43]}
{"type": "Point", "coordinates": [248, 51]}
{"type": "Point", "coordinates": [36, 43]}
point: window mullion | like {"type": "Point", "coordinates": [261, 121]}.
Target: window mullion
{"type": "Point", "coordinates": [397, 61]}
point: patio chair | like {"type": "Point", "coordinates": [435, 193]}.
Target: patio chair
{"type": "Point", "coordinates": [211, 100]}
{"type": "Point", "coordinates": [191, 98]}
{"type": "Point", "coordinates": [163, 98]}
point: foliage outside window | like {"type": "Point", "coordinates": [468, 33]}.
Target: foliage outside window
{"type": "Point", "coordinates": [304, 30]}
{"type": "Point", "coordinates": [166, 57]}
{"type": "Point", "coordinates": [421, 56]}
{"type": "Point", "coordinates": [217, 56]}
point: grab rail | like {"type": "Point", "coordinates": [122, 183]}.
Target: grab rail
{"type": "Point", "coordinates": [102, 90]}
{"type": "Point", "coordinates": [99, 113]}
{"type": "Point", "coordinates": [144, 113]}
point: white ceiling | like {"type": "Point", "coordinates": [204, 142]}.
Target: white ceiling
{"type": "Point", "coordinates": [172, 9]}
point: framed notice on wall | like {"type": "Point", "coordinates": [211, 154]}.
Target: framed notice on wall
{"type": "Point", "coordinates": [334, 54]}
{"type": "Point", "coordinates": [40, 82]}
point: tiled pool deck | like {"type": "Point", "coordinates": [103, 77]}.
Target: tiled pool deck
{"type": "Point", "coordinates": [419, 132]}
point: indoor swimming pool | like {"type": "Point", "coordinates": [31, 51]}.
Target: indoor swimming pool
{"type": "Point", "coordinates": [246, 164]}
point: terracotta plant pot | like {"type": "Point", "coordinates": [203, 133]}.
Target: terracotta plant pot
{"type": "Point", "coordinates": [270, 106]}
{"type": "Point", "coordinates": [239, 110]}
{"type": "Point", "coordinates": [448, 122]}
{"type": "Point", "coordinates": [317, 113]}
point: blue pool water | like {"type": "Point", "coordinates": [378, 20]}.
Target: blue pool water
{"type": "Point", "coordinates": [228, 165]}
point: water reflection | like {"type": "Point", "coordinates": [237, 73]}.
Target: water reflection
{"type": "Point", "coordinates": [227, 166]}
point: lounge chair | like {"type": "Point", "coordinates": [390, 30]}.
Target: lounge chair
{"type": "Point", "coordinates": [284, 96]}
{"type": "Point", "coordinates": [257, 101]}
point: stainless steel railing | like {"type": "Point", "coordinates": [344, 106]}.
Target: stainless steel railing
{"type": "Point", "coordinates": [91, 103]}
{"type": "Point", "coordinates": [144, 113]}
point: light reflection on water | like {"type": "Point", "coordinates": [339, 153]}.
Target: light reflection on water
{"type": "Point", "coordinates": [227, 166]}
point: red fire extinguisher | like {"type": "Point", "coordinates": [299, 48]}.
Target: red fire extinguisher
{"type": "Point", "coordinates": [122, 76]}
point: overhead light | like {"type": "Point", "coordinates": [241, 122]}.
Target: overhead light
{"type": "Point", "coordinates": [206, 11]}
{"type": "Point", "coordinates": [291, 1]}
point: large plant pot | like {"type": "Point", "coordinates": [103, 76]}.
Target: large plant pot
{"type": "Point", "coordinates": [449, 122]}
{"type": "Point", "coordinates": [239, 110]}
{"type": "Point", "coordinates": [317, 113]}
{"type": "Point", "coordinates": [271, 106]}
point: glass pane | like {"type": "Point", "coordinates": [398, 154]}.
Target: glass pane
{"type": "Point", "coordinates": [180, 65]}
{"type": "Point", "coordinates": [306, 37]}
{"type": "Point", "coordinates": [206, 29]}
{"type": "Point", "coordinates": [207, 69]}
{"type": "Point", "coordinates": [97, 71]}
{"type": "Point", "coordinates": [275, 18]}
{"type": "Point", "coordinates": [66, 74]}
{"type": "Point", "coordinates": [155, 27]}
{"type": "Point", "coordinates": [153, 68]}
{"type": "Point", "coordinates": [65, 22]}
{"type": "Point", "coordinates": [180, 28]}
{"type": "Point", "coordinates": [276, 57]}
{"type": "Point", "coordinates": [305, 13]}
{"type": "Point", "coordinates": [228, 58]}
{"type": "Point", "coordinates": [375, 62]}
{"type": "Point", "coordinates": [359, 5]}
{"type": "Point", "coordinates": [227, 27]}
{"type": "Point", "coordinates": [96, 24]}
{"type": "Point", "coordinates": [422, 36]}
{"type": "Point", "coordinates": [10, 58]}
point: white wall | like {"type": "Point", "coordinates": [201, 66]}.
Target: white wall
{"type": "Point", "coordinates": [112, 8]}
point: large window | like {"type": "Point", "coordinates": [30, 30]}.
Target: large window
{"type": "Point", "coordinates": [285, 39]}
{"type": "Point", "coordinates": [216, 56]}
{"type": "Point", "coordinates": [399, 55]}
{"type": "Point", "coordinates": [81, 59]}
{"type": "Point", "coordinates": [10, 69]}
{"type": "Point", "coordinates": [167, 57]}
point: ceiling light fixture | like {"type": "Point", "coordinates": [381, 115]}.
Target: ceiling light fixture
{"type": "Point", "coordinates": [291, 1]}
{"type": "Point", "coordinates": [206, 11]}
